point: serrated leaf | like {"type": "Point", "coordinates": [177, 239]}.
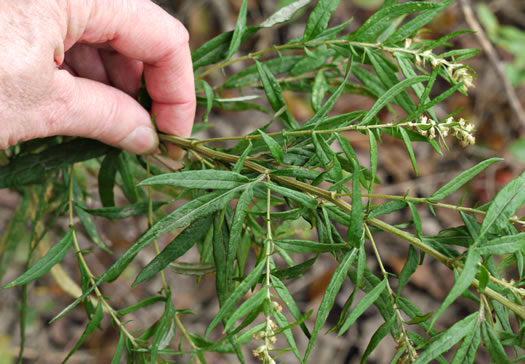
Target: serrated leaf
{"type": "Point", "coordinates": [44, 265]}
{"type": "Point", "coordinates": [306, 246]}
{"type": "Point", "coordinates": [273, 146]}
{"type": "Point", "coordinates": [106, 178]}
{"type": "Point", "coordinates": [462, 283]}
{"type": "Point", "coordinates": [460, 180]}
{"type": "Point", "coordinates": [319, 18]}
{"type": "Point", "coordinates": [176, 249]}
{"type": "Point", "coordinates": [91, 326]}
{"type": "Point", "coordinates": [202, 179]}
{"type": "Point", "coordinates": [504, 205]}
{"type": "Point", "coordinates": [123, 212]}
{"type": "Point", "coordinates": [329, 297]}
{"type": "Point", "coordinates": [237, 294]}
{"type": "Point", "coordinates": [240, 28]}
{"type": "Point", "coordinates": [493, 344]}
{"type": "Point", "coordinates": [247, 306]}
{"type": "Point", "coordinates": [448, 339]}
{"type": "Point", "coordinates": [362, 306]}
{"type": "Point", "coordinates": [285, 13]}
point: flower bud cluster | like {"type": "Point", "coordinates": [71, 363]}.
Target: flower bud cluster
{"type": "Point", "coordinates": [457, 71]}
{"type": "Point", "coordinates": [462, 130]}
{"type": "Point", "coordinates": [268, 335]}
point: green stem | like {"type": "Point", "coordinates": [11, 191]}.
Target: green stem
{"type": "Point", "coordinates": [343, 205]}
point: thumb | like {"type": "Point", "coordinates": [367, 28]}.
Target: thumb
{"type": "Point", "coordinates": [90, 109]}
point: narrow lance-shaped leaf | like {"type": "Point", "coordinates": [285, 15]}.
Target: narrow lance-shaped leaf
{"type": "Point", "coordinates": [319, 18]}
{"type": "Point", "coordinates": [164, 331]}
{"type": "Point", "coordinates": [92, 325]}
{"type": "Point", "coordinates": [505, 245]}
{"type": "Point", "coordinates": [238, 223]}
{"type": "Point", "coordinates": [493, 344]}
{"type": "Point", "coordinates": [122, 212]}
{"type": "Point", "coordinates": [240, 28]}
{"type": "Point", "coordinates": [463, 282]}
{"type": "Point", "coordinates": [273, 146]}
{"type": "Point", "coordinates": [356, 230]}
{"type": "Point", "coordinates": [176, 249]}
{"type": "Point", "coordinates": [237, 294]}
{"type": "Point", "coordinates": [203, 179]}
{"type": "Point", "coordinates": [363, 305]}
{"type": "Point", "coordinates": [300, 197]}
{"type": "Point", "coordinates": [448, 339]}
{"type": "Point", "coordinates": [285, 13]}
{"type": "Point", "coordinates": [504, 205]}
{"type": "Point", "coordinates": [408, 145]}
{"type": "Point", "coordinates": [460, 180]}
{"type": "Point", "coordinates": [106, 178]}
{"type": "Point", "coordinates": [125, 169]}
{"type": "Point", "coordinates": [119, 349]}
{"type": "Point", "coordinates": [408, 269]}
{"type": "Point", "coordinates": [44, 265]}
{"type": "Point", "coordinates": [319, 90]}
{"type": "Point", "coordinates": [91, 229]}
{"type": "Point", "coordinates": [389, 95]}
{"type": "Point", "coordinates": [306, 246]}
{"type": "Point", "coordinates": [249, 305]}
{"type": "Point", "coordinates": [379, 335]}
{"type": "Point", "coordinates": [289, 302]}
{"type": "Point", "coordinates": [329, 297]}
{"type": "Point", "coordinates": [466, 353]}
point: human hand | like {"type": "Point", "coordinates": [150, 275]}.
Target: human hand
{"type": "Point", "coordinates": [70, 67]}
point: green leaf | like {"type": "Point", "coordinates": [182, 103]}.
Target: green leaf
{"type": "Point", "coordinates": [363, 305]}
{"type": "Point", "coordinates": [504, 245]}
{"type": "Point", "coordinates": [210, 97]}
{"type": "Point", "coordinates": [448, 339]}
{"type": "Point", "coordinates": [321, 114]}
{"type": "Point", "coordinates": [289, 302]}
{"type": "Point", "coordinates": [33, 168]}
{"type": "Point", "coordinates": [295, 270]}
{"type": "Point", "coordinates": [387, 208]}
{"type": "Point", "coordinates": [285, 13]}
{"type": "Point", "coordinates": [373, 160]}
{"type": "Point", "coordinates": [381, 332]}
{"type": "Point", "coordinates": [319, 18]}
{"type": "Point", "coordinates": [327, 157]}
{"type": "Point", "coordinates": [44, 265]}
{"type": "Point", "coordinates": [306, 246]}
{"type": "Point", "coordinates": [462, 283]}
{"type": "Point", "coordinates": [408, 145]}
{"type": "Point", "coordinates": [180, 218]}
{"type": "Point", "coordinates": [493, 344]}
{"type": "Point", "coordinates": [240, 28]}
{"type": "Point", "coordinates": [274, 93]}
{"type": "Point", "coordinates": [144, 303]}
{"type": "Point", "coordinates": [237, 225]}
{"type": "Point", "coordinates": [273, 146]}
{"type": "Point", "coordinates": [92, 325]}
{"type": "Point", "coordinates": [237, 294]}
{"type": "Point", "coordinates": [329, 297]}
{"type": "Point", "coordinates": [106, 178]}
{"type": "Point", "coordinates": [466, 353]}
{"type": "Point", "coordinates": [203, 179]}
{"type": "Point", "coordinates": [249, 305]}
{"type": "Point", "coordinates": [300, 197]}
{"type": "Point", "coordinates": [389, 95]}
{"type": "Point", "coordinates": [122, 212]}
{"type": "Point", "coordinates": [119, 349]}
{"type": "Point", "coordinates": [408, 269]}
{"type": "Point", "coordinates": [375, 25]}
{"type": "Point", "coordinates": [356, 231]}
{"type": "Point", "coordinates": [319, 89]}
{"type": "Point", "coordinates": [176, 249]}
{"type": "Point", "coordinates": [126, 171]}
{"type": "Point", "coordinates": [504, 205]}
{"type": "Point", "coordinates": [460, 180]}
{"type": "Point", "coordinates": [91, 229]}
{"type": "Point", "coordinates": [164, 332]}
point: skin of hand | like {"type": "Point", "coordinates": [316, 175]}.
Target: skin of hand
{"type": "Point", "coordinates": [74, 67]}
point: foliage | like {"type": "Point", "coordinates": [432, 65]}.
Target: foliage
{"type": "Point", "coordinates": [240, 199]}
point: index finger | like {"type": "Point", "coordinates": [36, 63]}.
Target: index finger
{"type": "Point", "coordinates": [141, 30]}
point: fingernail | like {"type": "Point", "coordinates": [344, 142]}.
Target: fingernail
{"type": "Point", "coordinates": [142, 140]}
